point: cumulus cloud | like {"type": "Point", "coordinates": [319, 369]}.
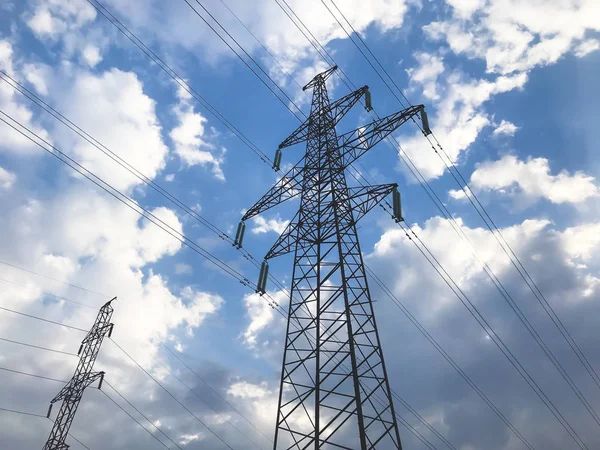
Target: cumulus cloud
{"type": "Point", "coordinates": [261, 315]}
{"type": "Point", "coordinates": [506, 128]}
{"type": "Point", "coordinates": [66, 24]}
{"type": "Point", "coordinates": [51, 18]}
{"type": "Point", "coordinates": [15, 107]}
{"type": "Point", "coordinates": [123, 119]}
{"type": "Point", "coordinates": [459, 115]}
{"type": "Point", "coordinates": [263, 225]}
{"type": "Point", "coordinates": [589, 46]}
{"type": "Point", "coordinates": [7, 179]}
{"type": "Point", "coordinates": [268, 22]}
{"type": "Point", "coordinates": [512, 36]}
{"type": "Point", "coordinates": [533, 179]}
{"type": "Point", "coordinates": [190, 139]}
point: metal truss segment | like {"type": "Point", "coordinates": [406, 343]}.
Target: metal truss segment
{"type": "Point", "coordinates": [334, 391]}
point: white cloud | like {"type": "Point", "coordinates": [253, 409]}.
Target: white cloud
{"type": "Point", "coordinates": [169, 177]}
{"type": "Point", "coordinates": [178, 25]}
{"type": "Point", "coordinates": [589, 46]}
{"type": "Point", "coordinates": [54, 17]}
{"type": "Point", "coordinates": [7, 179]}
{"type": "Point", "coordinates": [69, 27]}
{"type": "Point", "coordinates": [512, 35]}
{"type": "Point", "coordinates": [459, 116]}
{"type": "Point", "coordinates": [36, 75]}
{"type": "Point", "coordinates": [258, 398]}
{"type": "Point", "coordinates": [534, 180]}
{"type": "Point", "coordinates": [457, 194]}
{"type": "Point", "coordinates": [12, 105]}
{"type": "Point", "coordinates": [429, 68]}
{"type": "Point", "coordinates": [190, 140]}
{"type": "Point", "coordinates": [263, 225]}
{"type": "Point", "coordinates": [243, 389]}
{"type": "Point", "coordinates": [123, 119]}
{"type": "Point", "coordinates": [186, 439]}
{"type": "Point", "coordinates": [581, 242]}
{"type": "Point", "coordinates": [261, 315]}
{"type": "Point", "coordinates": [535, 241]}
{"type": "Point", "coordinates": [91, 55]}
{"type": "Point", "coordinates": [507, 128]}
{"type": "Point", "coordinates": [88, 239]}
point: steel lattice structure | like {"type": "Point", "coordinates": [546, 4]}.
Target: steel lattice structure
{"type": "Point", "coordinates": [334, 390]}
{"type": "Point", "coordinates": [84, 376]}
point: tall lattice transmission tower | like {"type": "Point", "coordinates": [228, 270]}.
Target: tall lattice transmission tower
{"type": "Point", "coordinates": [334, 390]}
{"type": "Point", "coordinates": [84, 376]}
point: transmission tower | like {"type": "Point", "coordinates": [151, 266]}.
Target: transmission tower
{"type": "Point", "coordinates": [334, 390]}
{"type": "Point", "coordinates": [84, 376]}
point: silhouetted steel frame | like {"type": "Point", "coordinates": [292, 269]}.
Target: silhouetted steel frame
{"type": "Point", "coordinates": [72, 393]}
{"type": "Point", "coordinates": [319, 174]}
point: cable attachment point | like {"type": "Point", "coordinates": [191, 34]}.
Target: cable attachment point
{"type": "Point", "coordinates": [262, 278]}
{"type": "Point", "coordinates": [368, 103]}
{"type": "Point", "coordinates": [397, 206]}
{"type": "Point", "coordinates": [239, 234]}
{"type": "Point", "coordinates": [277, 160]}
{"type": "Point", "coordinates": [425, 122]}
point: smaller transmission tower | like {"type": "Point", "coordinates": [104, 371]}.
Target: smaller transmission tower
{"type": "Point", "coordinates": [84, 376]}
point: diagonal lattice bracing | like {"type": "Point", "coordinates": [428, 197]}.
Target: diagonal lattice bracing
{"type": "Point", "coordinates": [334, 392]}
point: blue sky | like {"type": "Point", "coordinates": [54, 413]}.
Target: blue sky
{"type": "Point", "coordinates": [511, 92]}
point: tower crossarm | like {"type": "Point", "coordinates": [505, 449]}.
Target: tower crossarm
{"type": "Point", "coordinates": [77, 385]}
{"type": "Point", "coordinates": [286, 241]}
{"type": "Point", "coordinates": [287, 187]}
{"type": "Point", "coordinates": [356, 143]}
{"type": "Point", "coordinates": [360, 200]}
{"type": "Point", "coordinates": [337, 109]}
{"type": "Point", "coordinates": [364, 198]}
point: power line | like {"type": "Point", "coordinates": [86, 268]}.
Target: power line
{"type": "Point", "coordinates": [206, 404]}
{"type": "Point", "coordinates": [49, 294]}
{"type": "Point", "coordinates": [37, 346]}
{"type": "Point", "coordinates": [43, 320]}
{"type": "Point", "coordinates": [446, 356]}
{"type": "Point", "coordinates": [105, 382]}
{"type": "Point", "coordinates": [162, 343]}
{"type": "Point", "coordinates": [214, 390]}
{"type": "Point", "coordinates": [48, 278]}
{"type": "Point", "coordinates": [244, 61]}
{"type": "Point", "coordinates": [135, 420]}
{"type": "Point", "coordinates": [116, 158]}
{"type": "Point", "coordinates": [102, 10]}
{"type": "Point", "coordinates": [58, 154]}
{"type": "Point", "coordinates": [141, 414]}
{"type": "Point", "coordinates": [22, 412]}
{"type": "Point", "coordinates": [171, 395]}
{"type": "Point", "coordinates": [262, 45]}
{"type": "Point", "coordinates": [492, 334]}
{"type": "Point", "coordinates": [32, 374]}
{"type": "Point", "coordinates": [505, 294]}
{"type": "Point", "coordinates": [147, 373]}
